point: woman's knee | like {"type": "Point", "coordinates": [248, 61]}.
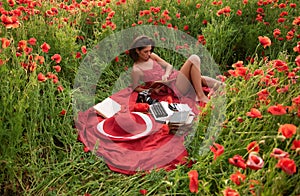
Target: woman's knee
{"type": "Point", "coordinates": [195, 59]}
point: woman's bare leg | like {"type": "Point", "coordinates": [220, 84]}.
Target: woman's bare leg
{"type": "Point", "coordinates": [190, 73]}
{"type": "Point", "coordinates": [211, 82]}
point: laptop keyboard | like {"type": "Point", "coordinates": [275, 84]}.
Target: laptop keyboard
{"type": "Point", "coordinates": [158, 110]}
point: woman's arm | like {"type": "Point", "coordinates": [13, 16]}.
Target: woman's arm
{"type": "Point", "coordinates": [164, 64]}
{"type": "Point", "coordinates": [135, 76]}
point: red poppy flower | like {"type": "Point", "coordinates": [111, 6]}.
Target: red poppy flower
{"type": "Point", "coordinates": [258, 72]}
{"type": "Point", "coordinates": [45, 47]}
{"type": "Point", "coordinates": [83, 50]}
{"type": "Point", "coordinates": [280, 65]}
{"type": "Point", "coordinates": [5, 42]}
{"type": "Point", "coordinates": [292, 75]}
{"type": "Point", "coordinates": [227, 9]}
{"type": "Point", "coordinates": [193, 176]}
{"type": "Point", "coordinates": [230, 192]}
{"type": "Point", "coordinates": [201, 39]}
{"type": "Point", "coordinates": [186, 27]}
{"type": "Point", "coordinates": [60, 88]}
{"type": "Point", "coordinates": [238, 64]}
{"type": "Point", "coordinates": [260, 10]}
{"type": "Point", "coordinates": [117, 59]}
{"type": "Point", "coordinates": [57, 68]}
{"type": "Point", "coordinates": [281, 20]}
{"type": "Point", "coordinates": [237, 177]}
{"type": "Point", "coordinates": [296, 21]}
{"type": "Point", "coordinates": [22, 44]}
{"type": "Point", "coordinates": [50, 75]}
{"type": "Point", "coordinates": [259, 18]}
{"type": "Point", "coordinates": [10, 21]}
{"type": "Point", "coordinates": [238, 161]}
{"type": "Point", "coordinates": [253, 147]}
{"type": "Point", "coordinates": [86, 149]}
{"type": "Point", "coordinates": [287, 130]}
{"type": "Point", "coordinates": [240, 119]}
{"type": "Point", "coordinates": [263, 94]}
{"type": "Point", "coordinates": [239, 12]}
{"type": "Point", "coordinates": [296, 100]}
{"type": "Point", "coordinates": [32, 41]}
{"type": "Point", "coordinates": [222, 78]}
{"type": "Point", "coordinates": [55, 80]}
{"type": "Point", "coordinates": [293, 5]}
{"type": "Point", "coordinates": [254, 113]}
{"type": "Point", "coordinates": [282, 5]}
{"type": "Point", "coordinates": [297, 61]}
{"type": "Point", "coordinates": [78, 55]}
{"type": "Point", "coordinates": [2, 62]}
{"type": "Point", "coordinates": [218, 151]}
{"type": "Point", "coordinates": [41, 77]}
{"type": "Point", "coordinates": [290, 35]}
{"type": "Point", "coordinates": [254, 161]}
{"type": "Point", "coordinates": [56, 58]}
{"type": "Point", "coordinates": [283, 89]}
{"type": "Point", "coordinates": [296, 145]}
{"type": "Point", "coordinates": [32, 66]}
{"type": "Point", "coordinates": [284, 13]}
{"type": "Point", "coordinates": [220, 12]}
{"type": "Point", "coordinates": [277, 153]}
{"type": "Point", "coordinates": [264, 41]}
{"type": "Point", "coordinates": [40, 59]}
{"type": "Point", "coordinates": [287, 165]}
{"type": "Point", "coordinates": [241, 71]}
{"type": "Point", "coordinates": [63, 112]}
{"type": "Point", "coordinates": [276, 33]}
{"type": "Point", "coordinates": [143, 191]}
{"type": "Point", "coordinates": [150, 20]}
{"type": "Point", "coordinates": [277, 110]}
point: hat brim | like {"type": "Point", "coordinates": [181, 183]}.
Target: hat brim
{"type": "Point", "coordinates": [147, 131]}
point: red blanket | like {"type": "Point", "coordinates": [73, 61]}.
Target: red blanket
{"type": "Point", "coordinates": [156, 150]}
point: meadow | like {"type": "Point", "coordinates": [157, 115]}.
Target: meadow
{"type": "Point", "coordinates": [255, 44]}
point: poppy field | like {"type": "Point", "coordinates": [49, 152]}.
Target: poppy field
{"type": "Point", "coordinates": [255, 43]}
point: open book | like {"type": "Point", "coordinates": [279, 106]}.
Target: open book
{"type": "Point", "coordinates": [107, 108]}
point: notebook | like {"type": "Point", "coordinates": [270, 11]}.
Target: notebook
{"type": "Point", "coordinates": [107, 108]}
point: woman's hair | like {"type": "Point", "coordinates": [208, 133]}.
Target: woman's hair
{"type": "Point", "coordinates": [140, 43]}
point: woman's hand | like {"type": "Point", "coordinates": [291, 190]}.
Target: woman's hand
{"type": "Point", "coordinates": [165, 77]}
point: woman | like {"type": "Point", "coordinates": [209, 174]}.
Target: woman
{"type": "Point", "coordinates": [149, 67]}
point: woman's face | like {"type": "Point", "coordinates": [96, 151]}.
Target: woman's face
{"type": "Point", "coordinates": [144, 54]}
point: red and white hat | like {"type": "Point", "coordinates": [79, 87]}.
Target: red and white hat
{"type": "Point", "coordinates": [126, 126]}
